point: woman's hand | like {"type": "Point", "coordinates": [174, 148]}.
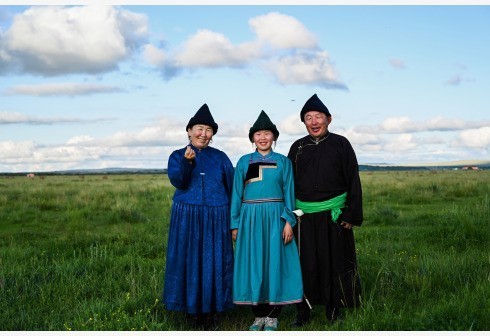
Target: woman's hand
{"type": "Point", "coordinates": [287, 233]}
{"type": "Point", "coordinates": [234, 233]}
{"type": "Point", "coordinates": [189, 153]}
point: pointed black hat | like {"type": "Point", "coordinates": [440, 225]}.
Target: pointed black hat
{"type": "Point", "coordinates": [203, 117]}
{"type": "Point", "coordinates": [314, 104]}
{"type": "Point", "coordinates": [263, 122]}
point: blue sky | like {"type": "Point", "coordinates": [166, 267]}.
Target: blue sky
{"type": "Point", "coordinates": [114, 86]}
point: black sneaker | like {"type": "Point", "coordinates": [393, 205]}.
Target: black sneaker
{"type": "Point", "coordinates": [196, 321]}
{"type": "Point", "coordinates": [211, 322]}
{"type": "Point", "coordinates": [333, 315]}
{"type": "Point", "coordinates": [301, 320]}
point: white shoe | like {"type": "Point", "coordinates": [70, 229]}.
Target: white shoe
{"type": "Point", "coordinates": [270, 324]}
{"type": "Point", "coordinates": [258, 324]}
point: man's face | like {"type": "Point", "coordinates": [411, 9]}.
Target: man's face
{"type": "Point", "coordinates": [317, 123]}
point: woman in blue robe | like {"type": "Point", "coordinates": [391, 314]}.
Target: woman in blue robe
{"type": "Point", "coordinates": [199, 267]}
{"type": "Point", "coordinates": [267, 273]}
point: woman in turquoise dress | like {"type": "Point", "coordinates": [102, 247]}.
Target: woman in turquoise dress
{"type": "Point", "coordinates": [267, 273]}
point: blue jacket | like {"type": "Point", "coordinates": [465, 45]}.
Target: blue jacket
{"type": "Point", "coordinates": [207, 180]}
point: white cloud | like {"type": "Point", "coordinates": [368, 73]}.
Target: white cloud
{"type": "Point", "coordinates": [477, 138]}
{"type": "Point", "coordinates": [286, 47]}
{"type": "Point", "coordinates": [129, 149]}
{"type": "Point", "coordinates": [62, 89]}
{"type": "Point", "coordinates": [234, 147]}
{"type": "Point", "coordinates": [154, 55]}
{"type": "Point", "coordinates": [282, 31]}
{"type": "Point", "coordinates": [12, 150]}
{"type": "Point", "coordinates": [165, 133]}
{"type": "Point", "coordinates": [398, 125]}
{"type": "Point", "coordinates": [150, 146]}
{"type": "Point", "coordinates": [81, 152]}
{"type": "Point", "coordinates": [205, 49]}
{"type": "Point", "coordinates": [12, 118]}
{"type": "Point", "coordinates": [54, 40]}
{"type": "Point", "coordinates": [405, 124]}
{"type": "Point", "coordinates": [394, 140]}
{"type": "Point", "coordinates": [401, 144]}
{"type": "Point", "coordinates": [433, 140]}
{"type": "Point", "coordinates": [162, 135]}
{"type": "Point", "coordinates": [306, 68]}
{"type": "Point", "coordinates": [81, 139]}
{"type": "Point", "coordinates": [210, 49]}
{"type": "Point", "coordinates": [19, 118]}
{"type": "Point", "coordinates": [292, 126]}
{"type": "Point", "coordinates": [445, 124]}
{"type": "Point", "coordinates": [365, 139]}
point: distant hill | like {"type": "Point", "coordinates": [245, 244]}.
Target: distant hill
{"type": "Point", "coordinates": [453, 165]}
{"type": "Point", "coordinates": [459, 163]}
{"type": "Point", "coordinates": [102, 171]}
{"type": "Point", "coordinates": [112, 171]}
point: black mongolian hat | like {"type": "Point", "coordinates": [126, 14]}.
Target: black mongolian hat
{"type": "Point", "coordinates": [263, 122]}
{"type": "Point", "coordinates": [314, 104]}
{"type": "Point", "coordinates": [203, 117]}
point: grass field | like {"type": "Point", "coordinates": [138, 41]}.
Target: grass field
{"type": "Point", "coordinates": [88, 253]}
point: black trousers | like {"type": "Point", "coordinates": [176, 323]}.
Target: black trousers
{"type": "Point", "coordinates": [328, 261]}
{"type": "Point", "coordinates": [267, 310]}
{"type": "Point", "coordinates": [303, 312]}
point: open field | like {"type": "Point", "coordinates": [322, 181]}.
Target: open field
{"type": "Point", "coordinates": [88, 253]}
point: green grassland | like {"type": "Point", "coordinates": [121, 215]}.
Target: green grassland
{"type": "Point", "coordinates": [88, 253]}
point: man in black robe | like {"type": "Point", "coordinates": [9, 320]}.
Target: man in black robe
{"type": "Point", "coordinates": [328, 191]}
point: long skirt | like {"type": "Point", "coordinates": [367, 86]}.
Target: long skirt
{"type": "Point", "coordinates": [199, 267]}
{"type": "Point", "coordinates": [266, 270]}
{"type": "Point", "coordinates": [328, 261]}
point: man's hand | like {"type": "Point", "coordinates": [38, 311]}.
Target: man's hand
{"type": "Point", "coordinates": [346, 225]}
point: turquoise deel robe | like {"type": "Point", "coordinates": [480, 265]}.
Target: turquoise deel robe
{"type": "Point", "coordinates": [265, 270]}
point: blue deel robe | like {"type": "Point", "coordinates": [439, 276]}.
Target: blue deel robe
{"type": "Point", "coordinates": [266, 270]}
{"type": "Point", "coordinates": [199, 267]}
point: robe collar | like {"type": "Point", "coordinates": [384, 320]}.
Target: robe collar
{"type": "Point", "coordinates": [259, 157]}
{"type": "Point", "coordinates": [317, 141]}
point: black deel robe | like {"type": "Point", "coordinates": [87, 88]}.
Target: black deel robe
{"type": "Point", "coordinates": [322, 171]}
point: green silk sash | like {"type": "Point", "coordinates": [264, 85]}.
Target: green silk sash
{"type": "Point", "coordinates": [334, 204]}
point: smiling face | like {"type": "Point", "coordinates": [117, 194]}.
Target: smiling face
{"type": "Point", "coordinates": [200, 135]}
{"type": "Point", "coordinates": [263, 140]}
{"type": "Point", "coordinates": [317, 123]}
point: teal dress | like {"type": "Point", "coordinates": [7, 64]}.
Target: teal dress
{"type": "Point", "coordinates": [265, 270]}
